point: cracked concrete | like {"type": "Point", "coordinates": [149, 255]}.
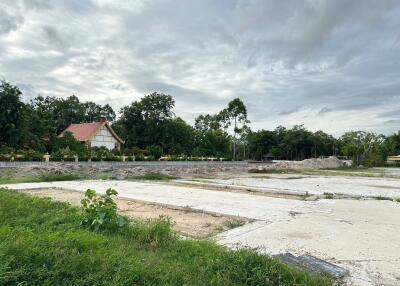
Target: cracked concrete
{"type": "Point", "coordinates": [313, 185]}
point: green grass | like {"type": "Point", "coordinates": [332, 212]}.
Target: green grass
{"type": "Point", "coordinates": [7, 179]}
{"type": "Point", "coordinates": [328, 196]}
{"type": "Point", "coordinates": [274, 171]}
{"type": "Point", "coordinates": [152, 177]}
{"type": "Point", "coordinates": [382, 198]}
{"type": "Point", "coordinates": [41, 243]}
{"type": "Point", "coordinates": [230, 224]}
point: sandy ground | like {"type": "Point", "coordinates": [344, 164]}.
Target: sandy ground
{"type": "Point", "coordinates": [360, 235]}
{"type": "Point", "coordinates": [314, 185]}
{"type": "Point", "coordinates": [184, 220]}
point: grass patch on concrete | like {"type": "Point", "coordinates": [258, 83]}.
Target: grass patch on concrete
{"type": "Point", "coordinates": [11, 179]}
{"type": "Point", "coordinates": [152, 177]}
{"type": "Point", "coordinates": [383, 198]}
{"type": "Point", "coordinates": [328, 196]}
{"type": "Point", "coordinates": [104, 176]}
{"type": "Point", "coordinates": [343, 171]}
{"type": "Point", "coordinates": [42, 243]}
{"type": "Point", "coordinates": [274, 171]}
{"type": "Point", "coordinates": [230, 224]}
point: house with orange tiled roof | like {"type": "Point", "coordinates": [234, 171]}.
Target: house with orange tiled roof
{"type": "Point", "coordinates": [95, 134]}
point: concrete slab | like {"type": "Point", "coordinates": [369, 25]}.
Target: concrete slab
{"type": "Point", "coordinates": [361, 236]}
{"type": "Point", "coordinates": [353, 186]}
{"type": "Point", "coordinates": [250, 206]}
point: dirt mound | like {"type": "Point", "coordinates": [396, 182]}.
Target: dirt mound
{"type": "Point", "coordinates": [314, 163]}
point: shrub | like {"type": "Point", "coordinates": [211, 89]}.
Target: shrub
{"type": "Point", "coordinates": [156, 151]}
{"type": "Point", "coordinates": [101, 211]}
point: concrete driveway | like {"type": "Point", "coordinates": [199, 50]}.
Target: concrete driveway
{"type": "Point", "coordinates": [360, 235]}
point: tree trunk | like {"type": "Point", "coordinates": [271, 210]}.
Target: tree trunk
{"type": "Point", "coordinates": [234, 142]}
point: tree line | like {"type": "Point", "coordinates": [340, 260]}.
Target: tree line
{"type": "Point", "coordinates": [149, 126]}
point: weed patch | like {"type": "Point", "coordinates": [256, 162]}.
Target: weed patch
{"type": "Point", "coordinates": [382, 198]}
{"type": "Point", "coordinates": [328, 196]}
{"type": "Point", "coordinates": [60, 177]}
{"type": "Point", "coordinates": [152, 177]}
{"type": "Point", "coordinates": [230, 224]}
{"type": "Point", "coordinates": [41, 178]}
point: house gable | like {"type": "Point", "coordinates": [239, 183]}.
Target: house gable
{"type": "Point", "coordinates": [96, 134]}
{"type": "Point", "coordinates": [104, 137]}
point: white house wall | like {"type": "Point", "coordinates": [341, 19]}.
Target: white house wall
{"type": "Point", "coordinates": [104, 138]}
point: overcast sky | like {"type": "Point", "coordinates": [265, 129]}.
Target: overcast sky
{"type": "Point", "coordinates": [331, 65]}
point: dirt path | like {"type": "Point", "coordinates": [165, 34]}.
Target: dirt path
{"type": "Point", "coordinates": [184, 220]}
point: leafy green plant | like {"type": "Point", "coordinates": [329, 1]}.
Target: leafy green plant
{"type": "Point", "coordinates": [101, 211]}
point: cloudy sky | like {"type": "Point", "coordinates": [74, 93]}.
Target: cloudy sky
{"type": "Point", "coordinates": [331, 65]}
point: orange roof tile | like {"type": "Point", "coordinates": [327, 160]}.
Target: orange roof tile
{"type": "Point", "coordinates": [85, 131]}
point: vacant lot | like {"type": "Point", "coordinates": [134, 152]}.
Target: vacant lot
{"type": "Point", "coordinates": [42, 243]}
{"type": "Point", "coordinates": [359, 235]}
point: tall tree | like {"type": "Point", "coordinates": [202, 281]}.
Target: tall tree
{"type": "Point", "coordinates": [11, 115]}
{"type": "Point", "coordinates": [236, 112]}
{"type": "Point", "coordinates": [144, 122]}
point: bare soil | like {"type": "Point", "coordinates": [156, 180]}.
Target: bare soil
{"type": "Point", "coordinates": [185, 221]}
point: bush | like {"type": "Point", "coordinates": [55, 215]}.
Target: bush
{"type": "Point", "coordinates": [139, 157]}
{"type": "Point", "coordinates": [156, 151]}
{"type": "Point", "coordinates": [101, 211]}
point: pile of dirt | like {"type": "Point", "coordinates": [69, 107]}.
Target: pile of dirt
{"type": "Point", "coordinates": [314, 164]}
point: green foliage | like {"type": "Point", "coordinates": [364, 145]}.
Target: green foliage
{"type": "Point", "coordinates": [12, 121]}
{"type": "Point", "coordinates": [363, 148]}
{"type": "Point", "coordinates": [144, 122]}
{"type": "Point", "coordinates": [68, 146]}
{"type": "Point", "coordinates": [151, 130]}
{"type": "Point", "coordinates": [101, 211]}
{"type": "Point", "coordinates": [9, 178]}
{"type": "Point", "coordinates": [156, 151]}
{"type": "Point", "coordinates": [296, 143]}
{"type": "Point", "coordinates": [213, 143]}
{"type": "Point", "coordinates": [42, 244]}
{"type": "Point", "coordinates": [59, 177]}
{"type": "Point", "coordinates": [153, 177]}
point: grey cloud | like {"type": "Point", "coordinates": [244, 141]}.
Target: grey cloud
{"type": "Point", "coordinates": [390, 114]}
{"type": "Point", "coordinates": [325, 110]}
{"type": "Point", "coordinates": [303, 58]}
{"type": "Point", "coordinates": [13, 13]}
{"type": "Point", "coordinates": [289, 111]}
{"type": "Point", "coordinates": [53, 36]}
{"type": "Point", "coordinates": [9, 21]}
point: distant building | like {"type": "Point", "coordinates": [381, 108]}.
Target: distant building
{"type": "Point", "coordinates": [96, 134]}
